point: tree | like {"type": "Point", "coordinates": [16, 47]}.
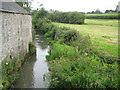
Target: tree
{"type": "Point", "coordinates": [109, 11]}
{"type": "Point", "coordinates": [92, 12]}
{"type": "Point", "coordinates": [42, 13]}
{"type": "Point", "coordinates": [98, 12]}
{"type": "Point", "coordinates": [26, 5]}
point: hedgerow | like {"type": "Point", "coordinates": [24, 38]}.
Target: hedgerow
{"type": "Point", "coordinates": [103, 16]}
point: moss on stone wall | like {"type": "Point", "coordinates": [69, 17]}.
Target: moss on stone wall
{"type": "Point", "coordinates": [32, 48]}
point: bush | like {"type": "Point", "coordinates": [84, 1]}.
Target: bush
{"type": "Point", "coordinates": [83, 43]}
{"type": "Point", "coordinates": [70, 35]}
{"type": "Point", "coordinates": [10, 71]}
{"type": "Point", "coordinates": [84, 72]}
{"type": "Point", "coordinates": [59, 50]}
{"type": "Point", "coordinates": [40, 25]}
{"type": "Point", "coordinates": [74, 38]}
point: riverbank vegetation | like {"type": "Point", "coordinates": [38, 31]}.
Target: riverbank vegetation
{"type": "Point", "coordinates": [74, 61]}
{"type": "Point", "coordinates": [103, 34]}
{"type": "Point", "coordinates": [12, 68]}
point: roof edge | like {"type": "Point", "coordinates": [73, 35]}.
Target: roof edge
{"type": "Point", "coordinates": [12, 7]}
{"type": "Point", "coordinates": [7, 11]}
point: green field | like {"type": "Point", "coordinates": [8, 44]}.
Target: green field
{"type": "Point", "coordinates": [103, 16]}
{"type": "Point", "coordinates": [107, 14]}
{"type": "Point", "coordinates": [103, 33]}
{"type": "Point", "coordinates": [103, 22]}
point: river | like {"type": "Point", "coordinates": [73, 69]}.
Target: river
{"type": "Point", "coordinates": [34, 71]}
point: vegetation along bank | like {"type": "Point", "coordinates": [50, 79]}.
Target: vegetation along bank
{"type": "Point", "coordinates": [74, 61]}
{"type": "Point", "coordinates": [12, 68]}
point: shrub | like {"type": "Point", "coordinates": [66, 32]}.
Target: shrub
{"type": "Point", "coordinates": [70, 35]}
{"type": "Point", "coordinates": [10, 71]}
{"type": "Point", "coordinates": [83, 72]}
{"type": "Point", "coordinates": [42, 25]}
{"type": "Point", "coordinates": [74, 38]}
{"type": "Point", "coordinates": [59, 50]}
{"type": "Point", "coordinates": [83, 43]}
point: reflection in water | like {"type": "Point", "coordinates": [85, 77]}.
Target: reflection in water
{"type": "Point", "coordinates": [41, 67]}
{"type": "Point", "coordinates": [35, 70]}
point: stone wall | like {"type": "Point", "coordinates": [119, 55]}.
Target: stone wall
{"type": "Point", "coordinates": [0, 35]}
{"type": "Point", "coordinates": [15, 35]}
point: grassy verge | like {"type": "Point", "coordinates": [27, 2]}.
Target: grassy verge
{"type": "Point", "coordinates": [103, 36]}
{"type": "Point", "coordinates": [103, 22]}
{"type": "Point", "coordinates": [11, 68]}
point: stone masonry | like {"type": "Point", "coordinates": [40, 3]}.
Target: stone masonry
{"type": "Point", "coordinates": [15, 35]}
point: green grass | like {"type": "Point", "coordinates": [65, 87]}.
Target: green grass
{"type": "Point", "coordinates": [107, 14]}
{"type": "Point", "coordinates": [104, 35]}
{"type": "Point", "coordinates": [103, 16]}
{"type": "Point", "coordinates": [104, 22]}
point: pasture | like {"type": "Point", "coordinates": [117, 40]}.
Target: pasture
{"type": "Point", "coordinates": [103, 34]}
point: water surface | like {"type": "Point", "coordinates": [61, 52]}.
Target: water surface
{"type": "Point", "coordinates": [35, 69]}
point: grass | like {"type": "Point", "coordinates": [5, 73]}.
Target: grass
{"type": "Point", "coordinates": [103, 33]}
{"type": "Point", "coordinates": [104, 22]}
{"type": "Point", "coordinates": [103, 16]}
{"type": "Point", "coordinates": [106, 14]}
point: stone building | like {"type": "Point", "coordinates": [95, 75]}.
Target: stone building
{"type": "Point", "coordinates": [15, 31]}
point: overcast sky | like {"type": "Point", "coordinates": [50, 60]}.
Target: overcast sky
{"type": "Point", "coordinates": [76, 5]}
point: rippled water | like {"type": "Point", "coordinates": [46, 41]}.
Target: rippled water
{"type": "Point", "coordinates": [35, 69]}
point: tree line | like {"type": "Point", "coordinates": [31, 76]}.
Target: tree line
{"type": "Point", "coordinates": [106, 11]}
{"type": "Point", "coordinates": [67, 17]}
{"type": "Point", "coordinates": [61, 17]}
{"type": "Point", "coordinates": [56, 16]}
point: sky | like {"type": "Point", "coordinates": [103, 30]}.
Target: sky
{"type": "Point", "coordinates": [76, 5]}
